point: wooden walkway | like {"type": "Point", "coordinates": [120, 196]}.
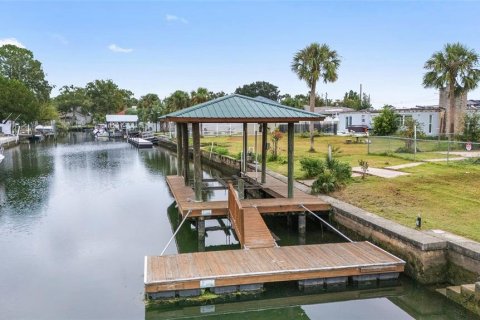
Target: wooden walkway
{"type": "Point", "coordinates": [249, 226]}
{"type": "Point", "coordinates": [185, 198]}
{"type": "Point", "coordinates": [279, 189]}
{"type": "Point", "coordinates": [242, 267]}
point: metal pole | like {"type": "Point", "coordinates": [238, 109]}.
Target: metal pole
{"type": "Point", "coordinates": [414, 141]}
{"type": "Point", "coordinates": [326, 223]}
{"type": "Point", "coordinates": [176, 231]}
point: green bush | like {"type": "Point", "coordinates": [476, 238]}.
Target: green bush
{"type": "Point", "coordinates": [220, 150]}
{"type": "Point", "coordinates": [312, 167]}
{"type": "Point", "coordinates": [330, 174]}
{"type": "Point", "coordinates": [325, 183]}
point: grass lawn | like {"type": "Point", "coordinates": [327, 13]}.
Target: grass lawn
{"type": "Point", "coordinates": [446, 196]}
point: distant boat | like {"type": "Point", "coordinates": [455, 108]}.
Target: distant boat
{"type": "Point", "coordinates": [101, 131]}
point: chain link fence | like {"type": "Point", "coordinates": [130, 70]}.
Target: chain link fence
{"type": "Point", "coordinates": [423, 149]}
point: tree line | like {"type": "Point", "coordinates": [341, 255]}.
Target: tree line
{"type": "Point", "coordinates": [25, 92]}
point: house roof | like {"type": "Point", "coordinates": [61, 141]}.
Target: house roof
{"type": "Point", "coordinates": [236, 108]}
{"type": "Point", "coordinates": [121, 118]}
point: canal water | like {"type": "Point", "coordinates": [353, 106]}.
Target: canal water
{"type": "Point", "coordinates": [77, 218]}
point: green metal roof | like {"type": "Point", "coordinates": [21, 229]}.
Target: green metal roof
{"type": "Point", "coordinates": [238, 108]}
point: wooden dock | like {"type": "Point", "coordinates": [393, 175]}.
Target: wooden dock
{"type": "Point", "coordinates": [228, 271]}
{"type": "Point", "coordinates": [185, 198]}
{"type": "Point", "coordinates": [277, 188]}
{"type": "Point", "coordinates": [140, 143]}
{"type": "Point", "coordinates": [191, 271]}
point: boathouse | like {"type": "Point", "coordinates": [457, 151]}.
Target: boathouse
{"type": "Point", "coordinates": [260, 260]}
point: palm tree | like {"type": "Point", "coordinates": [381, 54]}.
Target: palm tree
{"type": "Point", "coordinates": [312, 63]}
{"type": "Point", "coordinates": [177, 101]}
{"type": "Point", "coordinates": [456, 69]}
{"type": "Point", "coordinates": [200, 96]}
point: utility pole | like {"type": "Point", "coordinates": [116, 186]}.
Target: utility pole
{"type": "Point", "coordinates": [360, 96]}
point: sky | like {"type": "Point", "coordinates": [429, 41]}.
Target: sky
{"type": "Point", "coordinates": [163, 46]}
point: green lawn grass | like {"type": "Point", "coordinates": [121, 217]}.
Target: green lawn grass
{"type": "Point", "coordinates": [447, 196]}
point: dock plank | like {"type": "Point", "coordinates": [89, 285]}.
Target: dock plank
{"type": "Point", "coordinates": [272, 264]}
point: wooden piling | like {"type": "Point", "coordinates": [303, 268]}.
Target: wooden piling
{"type": "Point", "coordinates": [264, 152]}
{"type": "Point", "coordinates": [186, 157]}
{"type": "Point", "coordinates": [197, 162]}
{"type": "Point", "coordinates": [179, 149]}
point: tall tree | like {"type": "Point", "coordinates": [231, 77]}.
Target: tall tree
{"type": "Point", "coordinates": [297, 101]}
{"type": "Point", "coordinates": [311, 64]}
{"type": "Point", "coordinates": [17, 99]}
{"type": "Point", "coordinates": [260, 88]}
{"type": "Point", "coordinates": [456, 69]}
{"type": "Point", "coordinates": [201, 95]}
{"type": "Point", "coordinates": [72, 99]}
{"type": "Point", "coordinates": [352, 99]}
{"type": "Point", "coordinates": [177, 101]}
{"type": "Point", "coordinates": [150, 108]}
{"type": "Point", "coordinates": [106, 97]}
{"type": "Point", "coordinates": [19, 64]}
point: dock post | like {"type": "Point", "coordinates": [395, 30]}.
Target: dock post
{"type": "Point", "coordinates": [186, 157]}
{"type": "Point", "coordinates": [201, 234]}
{"type": "Point", "coordinates": [264, 152]}
{"type": "Point", "coordinates": [245, 148]}
{"type": "Point", "coordinates": [302, 227]}
{"type": "Point", "coordinates": [179, 149]}
{"type": "Point", "coordinates": [290, 159]}
{"type": "Point", "coordinates": [241, 189]}
{"type": "Point", "coordinates": [197, 162]}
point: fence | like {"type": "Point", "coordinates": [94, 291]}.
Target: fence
{"type": "Point", "coordinates": [423, 149]}
{"type": "Point", "coordinates": [305, 127]}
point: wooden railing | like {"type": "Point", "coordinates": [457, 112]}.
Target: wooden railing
{"type": "Point", "coordinates": [236, 214]}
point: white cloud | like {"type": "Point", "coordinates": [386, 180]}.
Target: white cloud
{"type": "Point", "coordinates": [116, 48]}
{"type": "Point", "coordinates": [13, 41]}
{"type": "Point", "coordinates": [59, 38]}
{"type": "Point", "coordinates": [172, 18]}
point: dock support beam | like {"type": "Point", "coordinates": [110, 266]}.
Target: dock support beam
{"type": "Point", "coordinates": [186, 157]}
{"type": "Point", "coordinates": [201, 234]}
{"type": "Point", "coordinates": [179, 149]}
{"type": "Point", "coordinates": [264, 152]}
{"type": "Point", "coordinates": [245, 148]}
{"type": "Point", "coordinates": [197, 162]}
{"type": "Point", "coordinates": [290, 159]}
{"type": "Point", "coordinates": [302, 227]}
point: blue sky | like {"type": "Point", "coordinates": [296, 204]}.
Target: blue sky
{"type": "Point", "coordinates": [160, 46]}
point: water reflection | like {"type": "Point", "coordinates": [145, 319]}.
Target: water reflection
{"type": "Point", "coordinates": [284, 301]}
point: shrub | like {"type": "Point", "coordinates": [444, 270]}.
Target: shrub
{"type": "Point", "coordinates": [325, 183]}
{"type": "Point", "coordinates": [364, 165]}
{"type": "Point", "coordinates": [331, 174]}
{"type": "Point", "coordinates": [220, 150]}
{"type": "Point", "coordinates": [312, 167]}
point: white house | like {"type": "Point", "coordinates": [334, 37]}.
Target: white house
{"type": "Point", "coordinates": [427, 116]}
